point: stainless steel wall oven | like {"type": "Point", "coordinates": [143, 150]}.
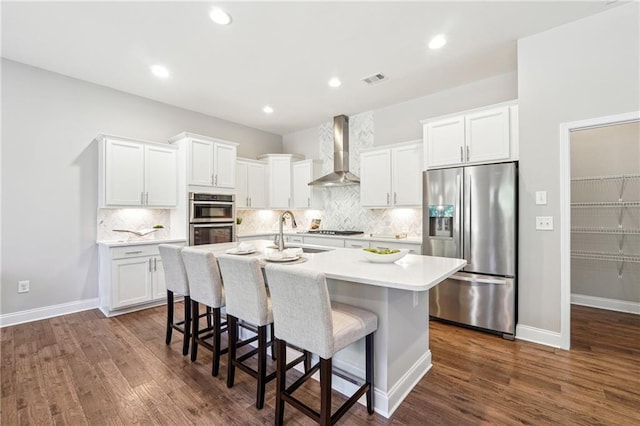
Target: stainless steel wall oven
{"type": "Point", "coordinates": [212, 218]}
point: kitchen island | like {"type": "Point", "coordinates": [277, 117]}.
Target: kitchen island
{"type": "Point", "coordinates": [398, 294]}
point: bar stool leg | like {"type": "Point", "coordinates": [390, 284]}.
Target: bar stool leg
{"type": "Point", "coordinates": [232, 333]}
{"type": "Point", "coordinates": [369, 371]}
{"type": "Point", "coordinates": [307, 361]}
{"type": "Point", "coordinates": [195, 317]}
{"type": "Point", "coordinates": [325, 391]}
{"type": "Point", "coordinates": [262, 365]}
{"type": "Point", "coordinates": [281, 379]}
{"type": "Point", "coordinates": [187, 324]}
{"type": "Point", "coordinates": [169, 316]}
{"type": "Point", "coordinates": [273, 342]}
{"type": "Point", "coordinates": [216, 342]}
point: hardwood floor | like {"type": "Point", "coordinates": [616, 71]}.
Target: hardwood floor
{"type": "Point", "coordinates": [87, 369]}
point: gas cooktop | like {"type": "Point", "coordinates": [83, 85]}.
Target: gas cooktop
{"type": "Point", "coordinates": [332, 232]}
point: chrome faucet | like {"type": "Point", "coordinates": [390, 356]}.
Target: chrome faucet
{"type": "Point", "coordinates": [279, 238]}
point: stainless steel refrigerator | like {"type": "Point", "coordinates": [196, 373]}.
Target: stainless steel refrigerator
{"type": "Point", "coordinates": [471, 212]}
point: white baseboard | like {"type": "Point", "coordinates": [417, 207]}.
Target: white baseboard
{"type": "Point", "coordinates": [29, 315]}
{"type": "Point", "coordinates": [538, 335]}
{"type": "Point", "coordinates": [385, 403]}
{"type": "Point", "coordinates": [604, 303]}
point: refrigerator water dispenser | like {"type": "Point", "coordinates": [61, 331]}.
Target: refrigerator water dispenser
{"type": "Point", "coordinates": [441, 221]}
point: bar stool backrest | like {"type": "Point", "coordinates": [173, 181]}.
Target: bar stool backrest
{"type": "Point", "coordinates": [301, 308]}
{"type": "Point", "coordinates": [175, 274]}
{"type": "Point", "coordinates": [205, 283]}
{"type": "Point", "coordinates": [245, 290]}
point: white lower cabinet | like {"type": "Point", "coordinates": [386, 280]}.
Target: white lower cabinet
{"type": "Point", "coordinates": [131, 278]}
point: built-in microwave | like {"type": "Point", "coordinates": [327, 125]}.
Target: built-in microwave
{"type": "Point", "coordinates": [207, 208]}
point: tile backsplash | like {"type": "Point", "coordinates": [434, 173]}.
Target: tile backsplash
{"type": "Point", "coordinates": [134, 219]}
{"type": "Point", "coordinates": [342, 210]}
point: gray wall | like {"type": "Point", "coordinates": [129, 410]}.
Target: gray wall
{"type": "Point", "coordinates": [585, 69]}
{"type": "Point", "coordinates": [401, 122]}
{"type": "Point", "coordinates": [49, 175]}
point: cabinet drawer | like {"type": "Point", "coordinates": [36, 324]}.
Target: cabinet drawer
{"type": "Point", "coordinates": [413, 248]}
{"type": "Point", "coordinates": [356, 244]}
{"type": "Point", "coordinates": [295, 239]}
{"type": "Point", "coordinates": [134, 251]}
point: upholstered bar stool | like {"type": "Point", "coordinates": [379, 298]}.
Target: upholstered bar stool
{"type": "Point", "coordinates": [247, 300]}
{"type": "Point", "coordinates": [205, 285]}
{"type": "Point", "coordinates": [176, 281]}
{"type": "Point", "coordinates": [305, 317]}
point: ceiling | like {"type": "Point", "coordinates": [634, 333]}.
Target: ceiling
{"type": "Point", "coordinates": [278, 53]}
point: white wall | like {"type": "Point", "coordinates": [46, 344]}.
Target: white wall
{"type": "Point", "coordinates": [49, 175]}
{"type": "Point", "coordinates": [585, 69]}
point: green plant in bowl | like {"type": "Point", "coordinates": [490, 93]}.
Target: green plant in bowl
{"type": "Point", "coordinates": [382, 250]}
{"type": "Point", "coordinates": [158, 226]}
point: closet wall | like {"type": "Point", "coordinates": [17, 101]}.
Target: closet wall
{"type": "Point", "coordinates": [605, 217]}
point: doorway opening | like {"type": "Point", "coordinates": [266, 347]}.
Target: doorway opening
{"type": "Point", "coordinates": [600, 216]}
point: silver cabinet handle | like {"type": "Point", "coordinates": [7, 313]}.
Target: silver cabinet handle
{"type": "Point", "coordinates": [387, 198]}
{"type": "Point", "coordinates": [150, 268]}
{"type": "Point", "coordinates": [142, 198]}
{"type": "Point", "coordinates": [147, 195]}
{"type": "Point", "coordinates": [467, 152]}
{"type": "Point", "coordinates": [356, 245]}
{"type": "Point", "coordinates": [395, 198]}
{"type": "Point", "coordinates": [249, 201]}
{"type": "Point", "coordinates": [308, 202]}
{"type": "Point", "coordinates": [215, 182]}
{"type": "Point", "coordinates": [212, 181]}
{"type": "Point", "coordinates": [155, 263]}
{"type": "Point", "coordinates": [461, 154]}
{"type": "Point", "coordinates": [133, 252]}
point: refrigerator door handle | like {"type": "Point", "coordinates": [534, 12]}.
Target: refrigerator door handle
{"type": "Point", "coordinates": [479, 280]}
{"type": "Point", "coordinates": [469, 229]}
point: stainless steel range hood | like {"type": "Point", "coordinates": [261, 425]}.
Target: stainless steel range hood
{"type": "Point", "coordinates": [341, 175]}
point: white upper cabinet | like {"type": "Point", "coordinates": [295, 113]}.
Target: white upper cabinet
{"type": "Point", "coordinates": [305, 196]}
{"type": "Point", "coordinates": [210, 162]}
{"type": "Point", "coordinates": [391, 176]}
{"type": "Point", "coordinates": [484, 135]}
{"type": "Point", "coordinates": [251, 184]}
{"type": "Point", "coordinates": [136, 173]}
{"type": "Point", "coordinates": [279, 179]}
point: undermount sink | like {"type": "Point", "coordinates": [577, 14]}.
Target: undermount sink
{"type": "Point", "coordinates": [305, 249]}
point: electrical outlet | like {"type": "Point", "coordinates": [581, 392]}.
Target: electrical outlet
{"type": "Point", "coordinates": [23, 286]}
{"type": "Point", "coordinates": [544, 223]}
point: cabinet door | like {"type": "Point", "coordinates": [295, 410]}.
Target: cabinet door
{"type": "Point", "coordinates": [131, 281]}
{"type": "Point", "coordinates": [200, 163]}
{"type": "Point", "coordinates": [159, 285]}
{"type": "Point", "coordinates": [279, 182]}
{"type": "Point", "coordinates": [124, 173]}
{"type": "Point", "coordinates": [301, 192]}
{"type": "Point", "coordinates": [161, 175]}
{"type": "Point", "coordinates": [444, 142]}
{"type": "Point", "coordinates": [375, 178]}
{"type": "Point", "coordinates": [406, 175]}
{"type": "Point", "coordinates": [487, 135]}
{"type": "Point", "coordinates": [242, 195]}
{"type": "Point", "coordinates": [257, 185]}
{"type": "Point", "coordinates": [225, 166]}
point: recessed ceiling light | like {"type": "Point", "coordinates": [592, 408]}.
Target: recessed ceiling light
{"type": "Point", "coordinates": [437, 42]}
{"type": "Point", "coordinates": [267, 109]}
{"type": "Point", "coordinates": [159, 71]}
{"type": "Point", "coordinates": [219, 16]}
{"type": "Point", "coordinates": [335, 82]}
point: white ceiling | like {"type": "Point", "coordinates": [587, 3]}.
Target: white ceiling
{"type": "Point", "coordinates": [281, 54]}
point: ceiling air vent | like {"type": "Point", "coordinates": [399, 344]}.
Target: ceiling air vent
{"type": "Point", "coordinates": [374, 79]}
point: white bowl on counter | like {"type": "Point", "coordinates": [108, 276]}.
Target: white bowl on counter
{"type": "Point", "coordinates": [384, 258]}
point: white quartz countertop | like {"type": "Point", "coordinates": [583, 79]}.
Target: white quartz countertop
{"type": "Point", "coordinates": [412, 272]}
{"type": "Point", "coordinates": [124, 243]}
{"type": "Point", "coordinates": [365, 236]}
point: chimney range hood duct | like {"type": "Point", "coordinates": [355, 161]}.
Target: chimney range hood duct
{"type": "Point", "coordinates": [341, 175]}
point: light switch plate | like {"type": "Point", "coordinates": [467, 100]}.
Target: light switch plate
{"type": "Point", "coordinates": [544, 223]}
{"type": "Point", "coordinates": [541, 198]}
